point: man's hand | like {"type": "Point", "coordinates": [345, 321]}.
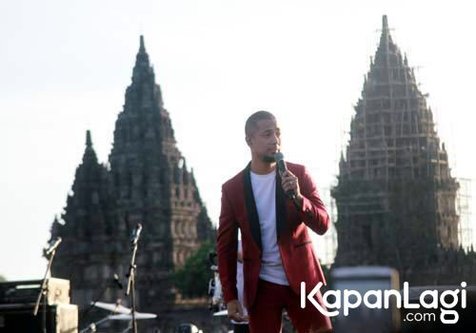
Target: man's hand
{"type": "Point", "coordinates": [290, 182]}
{"type": "Point", "coordinates": [235, 311]}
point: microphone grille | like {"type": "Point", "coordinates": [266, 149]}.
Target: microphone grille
{"type": "Point", "coordinates": [278, 156]}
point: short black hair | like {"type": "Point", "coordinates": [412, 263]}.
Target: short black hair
{"type": "Point", "coordinates": [252, 121]}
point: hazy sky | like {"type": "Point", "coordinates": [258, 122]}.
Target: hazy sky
{"type": "Point", "coordinates": [64, 67]}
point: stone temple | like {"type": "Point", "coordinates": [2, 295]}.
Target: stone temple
{"type": "Point", "coordinates": [396, 197]}
{"type": "Point", "coordinates": [146, 181]}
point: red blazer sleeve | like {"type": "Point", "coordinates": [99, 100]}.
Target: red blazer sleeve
{"type": "Point", "coordinates": [227, 244]}
{"type": "Point", "coordinates": [312, 212]}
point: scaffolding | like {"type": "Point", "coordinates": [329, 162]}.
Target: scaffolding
{"type": "Point", "coordinates": [464, 209]}
{"type": "Point", "coordinates": [326, 244]}
{"type": "Point", "coordinates": [396, 196]}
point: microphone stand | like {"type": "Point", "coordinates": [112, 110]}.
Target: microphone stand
{"type": "Point", "coordinates": [131, 277]}
{"type": "Point", "coordinates": [44, 291]}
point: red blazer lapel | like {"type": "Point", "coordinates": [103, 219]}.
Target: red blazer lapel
{"type": "Point", "coordinates": [251, 211]}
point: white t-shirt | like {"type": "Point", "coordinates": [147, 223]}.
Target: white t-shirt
{"type": "Point", "coordinates": [264, 191]}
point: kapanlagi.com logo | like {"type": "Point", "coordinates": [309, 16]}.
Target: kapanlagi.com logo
{"type": "Point", "coordinates": [377, 299]}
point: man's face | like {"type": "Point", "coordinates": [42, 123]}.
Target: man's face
{"type": "Point", "coordinates": [265, 141]}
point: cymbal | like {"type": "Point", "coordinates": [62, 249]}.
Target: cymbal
{"type": "Point", "coordinates": [128, 316]}
{"type": "Point", "coordinates": [113, 307]}
{"type": "Point", "coordinates": [221, 313]}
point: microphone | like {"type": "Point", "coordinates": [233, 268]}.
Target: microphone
{"type": "Point", "coordinates": [52, 247]}
{"type": "Point", "coordinates": [117, 282]}
{"type": "Point", "coordinates": [136, 234]}
{"type": "Point", "coordinates": [279, 158]}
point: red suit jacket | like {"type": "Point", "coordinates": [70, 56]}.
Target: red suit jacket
{"type": "Point", "coordinates": [238, 211]}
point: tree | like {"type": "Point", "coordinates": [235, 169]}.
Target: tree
{"type": "Point", "coordinates": [192, 279]}
{"type": "Point", "coordinates": [2, 278]}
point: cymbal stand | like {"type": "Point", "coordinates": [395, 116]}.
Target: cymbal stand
{"type": "Point", "coordinates": [92, 327]}
{"type": "Point", "coordinates": [128, 328]}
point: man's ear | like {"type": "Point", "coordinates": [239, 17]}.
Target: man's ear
{"type": "Point", "coordinates": [248, 140]}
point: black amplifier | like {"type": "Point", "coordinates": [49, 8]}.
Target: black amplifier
{"type": "Point", "coordinates": [18, 292]}
{"type": "Point", "coordinates": [18, 318]}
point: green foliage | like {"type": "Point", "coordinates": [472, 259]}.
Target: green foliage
{"type": "Point", "coordinates": [2, 278]}
{"type": "Point", "coordinates": [192, 279]}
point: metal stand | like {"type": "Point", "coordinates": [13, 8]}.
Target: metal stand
{"type": "Point", "coordinates": [127, 329]}
{"type": "Point", "coordinates": [86, 312]}
{"type": "Point", "coordinates": [131, 276]}
{"type": "Point", "coordinates": [92, 327]}
{"type": "Point", "coordinates": [44, 291]}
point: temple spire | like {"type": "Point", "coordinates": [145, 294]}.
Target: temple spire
{"type": "Point", "coordinates": [142, 46]}
{"type": "Point", "coordinates": [89, 153]}
{"type": "Point", "coordinates": [385, 29]}
{"type": "Point", "coordinates": [89, 143]}
{"type": "Point", "coordinates": [142, 69]}
{"type": "Point", "coordinates": [142, 56]}
{"type": "Point", "coordinates": [385, 38]}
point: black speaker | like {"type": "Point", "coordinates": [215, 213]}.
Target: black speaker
{"type": "Point", "coordinates": [18, 318]}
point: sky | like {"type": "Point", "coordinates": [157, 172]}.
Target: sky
{"type": "Point", "coordinates": [65, 65]}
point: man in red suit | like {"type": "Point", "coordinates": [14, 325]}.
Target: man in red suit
{"type": "Point", "coordinates": [273, 211]}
